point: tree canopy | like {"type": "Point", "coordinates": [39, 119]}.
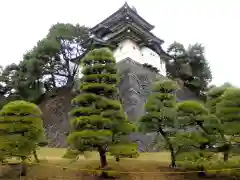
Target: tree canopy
{"type": "Point", "coordinates": [21, 128]}
{"type": "Point", "coordinates": [161, 113]}
{"type": "Point", "coordinates": [190, 65]}
{"type": "Point", "coordinates": [99, 122]}
{"type": "Point", "coordinates": [47, 65]}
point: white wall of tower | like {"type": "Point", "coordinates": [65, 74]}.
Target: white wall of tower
{"type": "Point", "coordinates": [129, 49]}
{"type": "Point", "coordinates": [151, 57]}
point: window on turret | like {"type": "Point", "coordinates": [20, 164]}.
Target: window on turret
{"type": "Point", "coordinates": [134, 47]}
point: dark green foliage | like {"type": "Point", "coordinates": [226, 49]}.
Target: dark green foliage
{"type": "Point", "coordinates": [21, 129]}
{"type": "Point", "coordinates": [47, 66]}
{"type": "Point", "coordinates": [160, 112]}
{"type": "Point", "coordinates": [179, 54]}
{"type": "Point", "coordinates": [54, 54]}
{"type": "Point", "coordinates": [190, 65]}
{"type": "Point", "coordinates": [98, 120]}
{"type": "Point", "coordinates": [200, 66]}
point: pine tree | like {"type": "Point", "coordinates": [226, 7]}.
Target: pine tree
{"type": "Point", "coordinates": [98, 120]}
{"type": "Point", "coordinates": [198, 132]}
{"type": "Point", "coordinates": [21, 129]}
{"type": "Point", "coordinates": [214, 96]}
{"type": "Point", "coordinates": [161, 113]}
{"type": "Point", "coordinates": [228, 111]}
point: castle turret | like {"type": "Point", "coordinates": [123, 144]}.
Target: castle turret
{"type": "Point", "coordinates": [132, 36]}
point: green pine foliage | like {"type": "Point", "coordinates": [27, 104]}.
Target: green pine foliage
{"type": "Point", "coordinates": [190, 65]}
{"type": "Point", "coordinates": [98, 119]}
{"type": "Point", "coordinates": [228, 111]}
{"type": "Point", "coordinates": [198, 133]}
{"type": "Point", "coordinates": [161, 113]}
{"type": "Point", "coordinates": [21, 129]}
{"type": "Point", "coordinates": [214, 97]}
{"type": "Point", "coordinates": [215, 103]}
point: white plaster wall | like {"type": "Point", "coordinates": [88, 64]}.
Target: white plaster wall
{"type": "Point", "coordinates": [151, 57]}
{"type": "Point", "coordinates": [128, 48]}
{"type": "Point", "coordinates": [163, 70]}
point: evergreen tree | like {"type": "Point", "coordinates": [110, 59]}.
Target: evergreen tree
{"type": "Point", "coordinates": [47, 66]}
{"type": "Point", "coordinates": [99, 122]}
{"type": "Point", "coordinates": [21, 130]}
{"type": "Point", "coordinates": [180, 67]}
{"type": "Point", "coordinates": [201, 70]}
{"type": "Point", "coordinates": [228, 112]}
{"type": "Point", "coordinates": [214, 96]}
{"type": "Point", "coordinates": [198, 132]}
{"type": "Point", "coordinates": [189, 65]}
{"type": "Point", "coordinates": [160, 113]}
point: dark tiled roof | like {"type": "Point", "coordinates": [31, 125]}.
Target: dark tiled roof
{"type": "Point", "coordinates": [125, 10]}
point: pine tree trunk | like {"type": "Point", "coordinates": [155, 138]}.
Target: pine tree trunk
{"type": "Point", "coordinates": [170, 146]}
{"type": "Point", "coordinates": [226, 149]}
{"type": "Point", "coordinates": [225, 155]}
{"type": "Point", "coordinates": [201, 173]}
{"type": "Point", "coordinates": [35, 156]}
{"type": "Point", "coordinates": [23, 167]}
{"type": "Point", "coordinates": [103, 160]}
{"type": "Point", "coordinates": [173, 158]}
{"type": "Point", "coordinates": [226, 152]}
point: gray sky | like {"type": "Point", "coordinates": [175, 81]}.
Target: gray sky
{"type": "Point", "coordinates": [214, 23]}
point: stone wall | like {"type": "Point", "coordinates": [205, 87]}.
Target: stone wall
{"type": "Point", "coordinates": [134, 88]}
{"type": "Point", "coordinates": [55, 110]}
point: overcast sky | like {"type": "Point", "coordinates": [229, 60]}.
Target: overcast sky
{"type": "Point", "coordinates": [214, 23]}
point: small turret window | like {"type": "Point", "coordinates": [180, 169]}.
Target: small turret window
{"type": "Point", "coordinates": [134, 47]}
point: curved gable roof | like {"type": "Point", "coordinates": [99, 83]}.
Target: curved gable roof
{"type": "Point", "coordinates": [125, 9]}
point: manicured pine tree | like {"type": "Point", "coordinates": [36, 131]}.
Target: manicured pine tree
{"type": "Point", "coordinates": [228, 111]}
{"type": "Point", "coordinates": [198, 132]}
{"type": "Point", "coordinates": [161, 113]}
{"type": "Point", "coordinates": [98, 120]}
{"type": "Point", "coordinates": [214, 96]}
{"type": "Point", "coordinates": [21, 130]}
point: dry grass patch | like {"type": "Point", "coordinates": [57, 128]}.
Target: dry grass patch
{"type": "Point", "coordinates": [125, 169]}
{"type": "Point", "coordinates": [147, 166]}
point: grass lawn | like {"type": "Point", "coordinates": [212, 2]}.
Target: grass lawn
{"type": "Point", "coordinates": [57, 153]}
{"type": "Point", "coordinates": [147, 166]}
